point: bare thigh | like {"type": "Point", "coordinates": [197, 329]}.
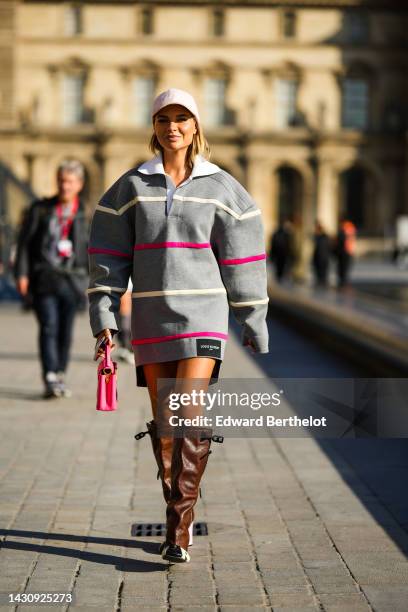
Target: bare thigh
{"type": "Point", "coordinates": [193, 374]}
{"type": "Point", "coordinates": [152, 372]}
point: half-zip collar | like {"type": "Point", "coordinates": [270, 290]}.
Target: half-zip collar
{"type": "Point", "coordinates": [201, 167]}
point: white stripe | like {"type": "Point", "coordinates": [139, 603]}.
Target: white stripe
{"type": "Point", "coordinates": [177, 292]}
{"type": "Point", "coordinates": [107, 289]}
{"type": "Point", "coordinates": [126, 207]}
{"type": "Point", "coordinates": [252, 303]}
{"type": "Point", "coordinates": [252, 213]}
{"type": "Point", "coordinates": [137, 199]}
{"type": "Point", "coordinates": [227, 209]}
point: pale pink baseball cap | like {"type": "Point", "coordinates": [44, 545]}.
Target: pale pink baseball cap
{"type": "Point", "coordinates": [175, 96]}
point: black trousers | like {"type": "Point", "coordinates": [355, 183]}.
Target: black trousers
{"type": "Point", "coordinates": [55, 313]}
{"type": "Point", "coordinates": [344, 262]}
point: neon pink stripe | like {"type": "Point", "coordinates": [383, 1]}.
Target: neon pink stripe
{"type": "Point", "coordinates": [241, 260]}
{"type": "Point", "coordinates": [182, 245]}
{"type": "Point", "coordinates": [176, 336]}
{"type": "Point", "coordinates": [92, 251]}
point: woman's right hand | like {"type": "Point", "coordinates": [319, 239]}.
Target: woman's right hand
{"type": "Point", "coordinates": [105, 337]}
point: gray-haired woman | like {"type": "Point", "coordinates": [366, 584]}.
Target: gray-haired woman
{"type": "Point", "coordinates": [191, 239]}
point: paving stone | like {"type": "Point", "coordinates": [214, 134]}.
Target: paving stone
{"type": "Point", "coordinates": [342, 603]}
{"type": "Point", "coordinates": [288, 587]}
{"type": "Point", "coordinates": [386, 598]}
{"type": "Point", "coordinates": [242, 608]}
{"type": "Point", "coordinates": [284, 600]}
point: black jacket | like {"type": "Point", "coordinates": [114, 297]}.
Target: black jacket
{"type": "Point", "coordinates": [35, 249]}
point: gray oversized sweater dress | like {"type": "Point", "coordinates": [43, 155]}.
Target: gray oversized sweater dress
{"type": "Point", "coordinates": [191, 252]}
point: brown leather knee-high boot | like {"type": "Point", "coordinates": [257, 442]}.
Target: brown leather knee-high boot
{"type": "Point", "coordinates": [162, 450]}
{"type": "Point", "coordinates": [189, 460]}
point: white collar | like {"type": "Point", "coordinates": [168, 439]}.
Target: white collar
{"type": "Point", "coordinates": [202, 167]}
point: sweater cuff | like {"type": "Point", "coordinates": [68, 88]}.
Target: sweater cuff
{"type": "Point", "coordinates": [102, 315]}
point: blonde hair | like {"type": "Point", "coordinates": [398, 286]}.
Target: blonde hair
{"type": "Point", "coordinates": [198, 146]}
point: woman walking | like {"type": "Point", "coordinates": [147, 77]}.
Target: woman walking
{"type": "Point", "coordinates": [191, 239]}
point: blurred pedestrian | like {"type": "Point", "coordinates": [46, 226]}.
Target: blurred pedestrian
{"type": "Point", "coordinates": [281, 251]}
{"type": "Point", "coordinates": [344, 250]}
{"type": "Point", "coordinates": [52, 263]}
{"type": "Point", "coordinates": [26, 297]}
{"type": "Point", "coordinates": [297, 262]}
{"type": "Point", "coordinates": [321, 254]}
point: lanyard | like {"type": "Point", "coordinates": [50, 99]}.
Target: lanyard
{"type": "Point", "coordinates": [66, 225]}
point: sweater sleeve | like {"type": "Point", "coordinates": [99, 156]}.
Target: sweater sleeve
{"type": "Point", "coordinates": [239, 245]}
{"type": "Point", "coordinates": [110, 252]}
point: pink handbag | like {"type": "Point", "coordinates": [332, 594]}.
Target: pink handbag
{"type": "Point", "coordinates": [106, 395]}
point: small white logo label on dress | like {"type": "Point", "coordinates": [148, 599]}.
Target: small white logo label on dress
{"type": "Point", "coordinates": [208, 348]}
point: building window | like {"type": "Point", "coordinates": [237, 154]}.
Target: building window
{"type": "Point", "coordinates": [355, 103]}
{"type": "Point", "coordinates": [357, 27]}
{"type": "Point", "coordinates": [146, 20]}
{"type": "Point", "coordinates": [73, 20]}
{"type": "Point", "coordinates": [214, 94]}
{"type": "Point", "coordinates": [218, 22]}
{"type": "Point", "coordinates": [73, 99]}
{"type": "Point", "coordinates": [286, 102]}
{"type": "Point", "coordinates": [143, 93]}
{"type": "Point", "coordinates": [289, 193]}
{"type": "Point", "coordinates": [288, 24]}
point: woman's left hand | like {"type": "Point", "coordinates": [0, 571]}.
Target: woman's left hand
{"type": "Point", "coordinates": [105, 337]}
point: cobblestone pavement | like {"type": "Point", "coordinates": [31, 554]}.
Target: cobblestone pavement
{"type": "Point", "coordinates": [291, 528]}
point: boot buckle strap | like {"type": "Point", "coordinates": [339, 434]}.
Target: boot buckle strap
{"type": "Point", "coordinates": [216, 438]}
{"type": "Point", "coordinates": [141, 435]}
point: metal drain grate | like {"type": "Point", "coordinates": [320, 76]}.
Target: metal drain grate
{"type": "Point", "coordinates": [159, 529]}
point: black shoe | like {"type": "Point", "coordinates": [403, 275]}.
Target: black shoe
{"type": "Point", "coordinates": [175, 554]}
{"type": "Point", "coordinates": [190, 543]}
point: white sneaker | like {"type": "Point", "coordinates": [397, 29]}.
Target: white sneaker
{"type": "Point", "coordinates": [64, 391]}
{"type": "Point", "coordinates": [52, 388]}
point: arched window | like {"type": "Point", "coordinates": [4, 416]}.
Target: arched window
{"type": "Point", "coordinates": [359, 200]}
{"type": "Point", "coordinates": [289, 193]}
{"type": "Point", "coordinates": [353, 194]}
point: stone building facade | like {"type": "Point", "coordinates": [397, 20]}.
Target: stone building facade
{"type": "Point", "coordinates": [305, 102]}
